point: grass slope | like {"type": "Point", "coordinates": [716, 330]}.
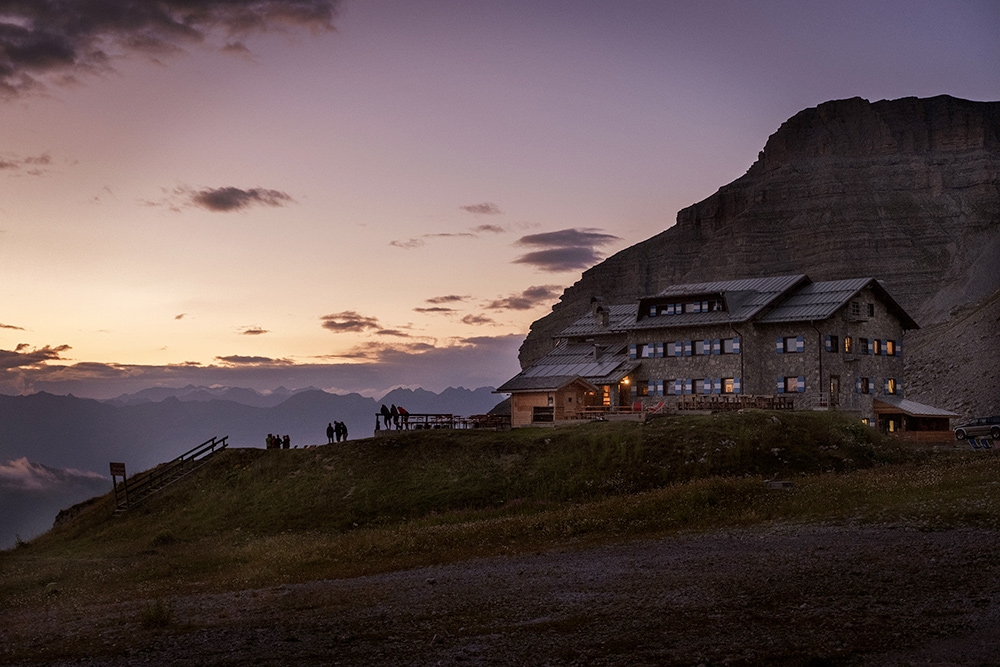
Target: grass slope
{"type": "Point", "coordinates": [254, 518]}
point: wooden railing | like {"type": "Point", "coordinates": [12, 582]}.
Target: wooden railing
{"type": "Point", "coordinates": [132, 491]}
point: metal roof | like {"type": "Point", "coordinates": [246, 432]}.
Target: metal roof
{"type": "Point", "coordinates": [522, 383]}
{"type": "Point", "coordinates": [816, 301]}
{"type": "Point", "coordinates": [568, 361]}
{"type": "Point", "coordinates": [765, 285]}
{"type": "Point", "coordinates": [744, 299]}
{"type": "Point", "coordinates": [914, 409]}
{"type": "Point", "coordinates": [620, 317]}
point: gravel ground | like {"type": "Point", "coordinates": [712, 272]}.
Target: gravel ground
{"type": "Point", "coordinates": [787, 595]}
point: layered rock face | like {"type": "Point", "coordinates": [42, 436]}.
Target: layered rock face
{"type": "Point", "coordinates": [907, 191]}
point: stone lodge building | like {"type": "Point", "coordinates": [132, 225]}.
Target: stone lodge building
{"type": "Point", "coordinates": [777, 342]}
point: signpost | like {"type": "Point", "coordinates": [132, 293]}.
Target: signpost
{"type": "Point", "coordinates": [118, 470]}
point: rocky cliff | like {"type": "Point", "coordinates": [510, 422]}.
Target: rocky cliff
{"type": "Point", "coordinates": [905, 190]}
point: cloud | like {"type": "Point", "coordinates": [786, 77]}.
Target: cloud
{"type": "Point", "coordinates": [435, 309]}
{"type": "Point", "coordinates": [477, 320]}
{"type": "Point", "coordinates": [56, 41]}
{"type": "Point", "coordinates": [24, 475]}
{"type": "Point", "coordinates": [253, 331]}
{"type": "Point", "coordinates": [408, 244]}
{"type": "Point", "coordinates": [532, 297]}
{"type": "Point", "coordinates": [31, 165]}
{"type": "Point", "coordinates": [181, 316]}
{"type": "Point", "coordinates": [237, 360]}
{"type": "Point", "coordinates": [226, 199]}
{"type": "Point", "coordinates": [447, 298]}
{"type": "Point", "coordinates": [349, 321]}
{"type": "Point", "coordinates": [486, 208]}
{"type": "Point", "coordinates": [10, 326]}
{"type": "Point", "coordinates": [564, 250]}
{"type": "Point", "coordinates": [492, 229]}
{"type": "Point", "coordinates": [18, 358]}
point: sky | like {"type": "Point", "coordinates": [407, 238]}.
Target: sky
{"type": "Point", "coordinates": [358, 195]}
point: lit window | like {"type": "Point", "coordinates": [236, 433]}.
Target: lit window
{"type": "Point", "coordinates": [877, 347]}
{"type": "Point", "coordinates": [728, 385]}
{"type": "Point", "coordinates": [890, 348]}
{"type": "Point", "coordinates": [890, 385]}
{"type": "Point", "coordinates": [848, 345]}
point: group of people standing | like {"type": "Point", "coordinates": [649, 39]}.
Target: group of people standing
{"type": "Point", "coordinates": [392, 416]}
{"type": "Point", "coordinates": [278, 442]}
{"type": "Point", "coordinates": [336, 432]}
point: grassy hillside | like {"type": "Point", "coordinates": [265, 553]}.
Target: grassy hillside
{"type": "Point", "coordinates": [253, 517]}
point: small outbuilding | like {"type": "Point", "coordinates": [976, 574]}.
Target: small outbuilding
{"type": "Point", "coordinates": [913, 421]}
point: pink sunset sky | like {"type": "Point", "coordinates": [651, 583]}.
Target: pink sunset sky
{"type": "Point", "coordinates": [366, 194]}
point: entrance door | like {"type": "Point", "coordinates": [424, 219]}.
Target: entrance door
{"type": "Point", "coordinates": [834, 390]}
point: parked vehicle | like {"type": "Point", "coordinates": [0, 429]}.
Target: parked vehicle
{"type": "Point", "coordinates": [977, 428]}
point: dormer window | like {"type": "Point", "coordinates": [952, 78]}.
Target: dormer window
{"type": "Point", "coordinates": [686, 307]}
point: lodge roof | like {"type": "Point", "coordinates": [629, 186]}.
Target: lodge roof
{"type": "Point", "coordinates": [595, 364]}
{"type": "Point", "coordinates": [911, 408]}
{"type": "Point", "coordinates": [776, 299]}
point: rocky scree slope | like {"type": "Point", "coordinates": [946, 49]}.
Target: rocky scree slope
{"type": "Point", "coordinates": [907, 191]}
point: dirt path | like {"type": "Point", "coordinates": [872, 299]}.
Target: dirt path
{"type": "Point", "coordinates": [778, 596]}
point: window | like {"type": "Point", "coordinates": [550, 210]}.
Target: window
{"type": "Point", "coordinates": [790, 344]}
{"type": "Point", "coordinates": [871, 310]}
{"type": "Point", "coordinates": [729, 346]}
{"type": "Point", "coordinates": [863, 386]}
{"type": "Point", "coordinates": [832, 344]}
{"type": "Point", "coordinates": [890, 348]}
{"type": "Point", "coordinates": [848, 345]}
{"type": "Point", "coordinates": [877, 347]}
{"type": "Point", "coordinates": [700, 386]}
{"type": "Point", "coordinates": [864, 346]}
{"type": "Point", "coordinates": [890, 385]}
{"type": "Point", "coordinates": [700, 348]}
{"type": "Point", "coordinates": [791, 385]}
{"type": "Point", "coordinates": [730, 386]}
{"type": "Point", "coordinates": [675, 349]}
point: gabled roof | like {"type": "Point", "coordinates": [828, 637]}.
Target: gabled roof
{"type": "Point", "coordinates": [912, 408]}
{"type": "Point", "coordinates": [818, 301]}
{"type": "Point", "coordinates": [554, 383]}
{"type": "Point", "coordinates": [743, 299]}
{"type": "Point", "coordinates": [567, 361]}
{"type": "Point", "coordinates": [620, 317]}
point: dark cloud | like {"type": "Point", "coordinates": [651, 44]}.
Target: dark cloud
{"type": "Point", "coordinates": [349, 321]}
{"type": "Point", "coordinates": [564, 250]}
{"type": "Point", "coordinates": [408, 244]}
{"type": "Point", "coordinates": [435, 309]}
{"type": "Point", "coordinates": [394, 332]}
{"type": "Point", "coordinates": [19, 357]}
{"type": "Point", "coordinates": [253, 331]}
{"type": "Point", "coordinates": [477, 320]}
{"type": "Point", "coordinates": [237, 360]}
{"type": "Point", "coordinates": [228, 199]}
{"type": "Point", "coordinates": [537, 295]}
{"type": "Point", "coordinates": [180, 317]}
{"type": "Point", "coordinates": [31, 165]}
{"type": "Point", "coordinates": [11, 326]}
{"type": "Point", "coordinates": [486, 208]}
{"type": "Point", "coordinates": [492, 229]}
{"type": "Point", "coordinates": [58, 40]}
{"type": "Point", "coordinates": [447, 298]}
